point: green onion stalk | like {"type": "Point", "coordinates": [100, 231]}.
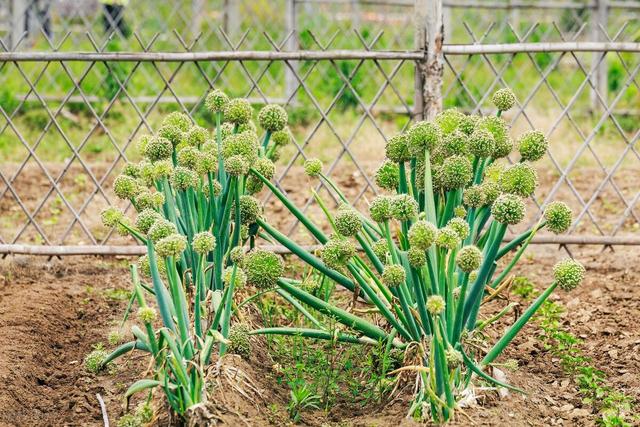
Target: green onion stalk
{"type": "Point", "coordinates": [194, 194]}
{"type": "Point", "coordinates": [431, 245]}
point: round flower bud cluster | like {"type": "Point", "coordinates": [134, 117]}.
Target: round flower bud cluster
{"type": "Point", "coordinates": [532, 145]}
{"type": "Point", "coordinates": [203, 242]}
{"type": "Point", "coordinates": [146, 219]}
{"type": "Point", "coordinates": [568, 273]}
{"type": "Point", "coordinates": [473, 196]}
{"type": "Point", "coordinates": [132, 170]}
{"type": "Point", "coordinates": [460, 226]}
{"type": "Point", "coordinates": [239, 342]}
{"type": "Point", "coordinates": [508, 209]}
{"type": "Point", "coordinates": [457, 172]}
{"type": "Point", "coordinates": [491, 191]}
{"type": "Point", "coordinates": [380, 209]}
{"type": "Point", "coordinates": [381, 249]}
{"type": "Point", "coordinates": [498, 128]}
{"type": "Point", "coordinates": [447, 238]}
{"type": "Point", "coordinates": [207, 162]}
{"type": "Point", "coordinates": [158, 149]}
{"type": "Point", "coordinates": [239, 280]}
{"type": "Point", "coordinates": [147, 314]}
{"type": "Point", "coordinates": [422, 234]}
{"type": "Point", "coordinates": [281, 138]}
{"type": "Point", "coordinates": [404, 207]}
{"type": "Point", "coordinates": [264, 167]}
{"type": "Point", "coordinates": [162, 169]}
{"type": "Point", "coordinates": [94, 361]}
{"type": "Point", "coordinates": [161, 229]}
{"type": "Point", "coordinates": [417, 257]}
{"type": "Point", "coordinates": [236, 166]}
{"type": "Point", "coordinates": [171, 246]}
{"type": "Point", "coordinates": [397, 149]}
{"type": "Point", "coordinates": [453, 357]}
{"type": "Point", "coordinates": [469, 258]}
{"type": "Point", "coordinates": [435, 305]}
{"type": "Point", "coordinates": [237, 255]}
{"type": "Point", "coordinates": [558, 216]}
{"type": "Point", "coordinates": [172, 134]}
{"type": "Point", "coordinates": [272, 118]}
{"type": "Point", "coordinates": [347, 221]}
{"type": "Point", "coordinates": [142, 141]}
{"type": "Point", "coordinates": [503, 148]}
{"type": "Point", "coordinates": [481, 143]}
{"type": "Point", "coordinates": [148, 199]}
{"type": "Point", "coordinates": [449, 120]}
{"type": "Point", "coordinates": [183, 178]}
{"type": "Point", "coordinates": [188, 157]}
{"type": "Point", "coordinates": [313, 167]}
{"type": "Point", "coordinates": [250, 210]}
{"type": "Point", "coordinates": [459, 212]}
{"type": "Point", "coordinates": [216, 101]}
{"type": "Point", "coordinates": [177, 119]}
{"type": "Point", "coordinates": [520, 179]}
{"type": "Point", "coordinates": [393, 275]}
{"type": "Point", "coordinates": [337, 252]}
{"type": "Point", "coordinates": [248, 127]}
{"type": "Point", "coordinates": [503, 99]}
{"type": "Point", "coordinates": [238, 111]}
{"type": "Point", "coordinates": [263, 268]}
{"type": "Point", "coordinates": [111, 217]}
{"type": "Point", "coordinates": [468, 123]}
{"type": "Point", "coordinates": [241, 144]}
{"type": "Point", "coordinates": [126, 187]}
{"type": "Point", "coordinates": [422, 136]}
{"type": "Point", "coordinates": [196, 136]}
{"type": "Point", "coordinates": [388, 176]}
{"type": "Point", "coordinates": [456, 143]}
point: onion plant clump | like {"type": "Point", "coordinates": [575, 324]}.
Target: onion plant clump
{"type": "Point", "coordinates": [196, 211]}
{"type": "Point", "coordinates": [432, 247]}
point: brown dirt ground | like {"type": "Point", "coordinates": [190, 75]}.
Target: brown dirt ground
{"type": "Point", "coordinates": [51, 312]}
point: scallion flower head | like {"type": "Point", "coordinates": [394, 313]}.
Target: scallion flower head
{"type": "Point", "coordinates": [532, 145]}
{"type": "Point", "coordinates": [416, 257]}
{"type": "Point", "coordinates": [236, 255]}
{"type": "Point", "coordinates": [520, 179]}
{"type": "Point", "coordinates": [132, 170]}
{"type": "Point", "coordinates": [263, 268]}
{"type": "Point", "coordinates": [337, 252]}
{"type": "Point", "coordinates": [188, 157]}
{"type": "Point", "coordinates": [393, 275]}
{"type": "Point", "coordinates": [503, 148]}
{"type": "Point", "coordinates": [381, 249]}
{"type": "Point", "coordinates": [94, 361]}
{"type": "Point", "coordinates": [146, 219]}
{"type": "Point", "coordinates": [459, 211]}
{"type": "Point", "coordinates": [347, 221]}
{"type": "Point", "coordinates": [216, 101]}
{"type": "Point", "coordinates": [388, 176]}
{"type": "Point", "coordinates": [158, 149]}
{"type": "Point", "coordinates": [397, 149]}
{"type": "Point", "coordinates": [239, 342]}
{"type": "Point", "coordinates": [313, 167]}
{"type": "Point", "coordinates": [149, 199]}
{"type": "Point", "coordinates": [206, 162]}
{"type": "Point", "coordinates": [172, 134]}
{"type": "Point", "coordinates": [250, 210]}
{"type": "Point", "coordinates": [272, 118]}
{"type": "Point", "coordinates": [469, 258]}
{"type": "Point", "coordinates": [473, 196]}
{"type": "Point", "coordinates": [449, 120]}
{"type": "Point", "coordinates": [447, 238]}
{"type": "Point", "coordinates": [145, 267]}
{"type": "Point", "coordinates": [238, 111]}
{"type": "Point", "coordinates": [460, 226]}
{"type": "Point", "coordinates": [183, 178]}
{"type": "Point", "coordinates": [203, 242]}
{"type": "Point", "coordinates": [453, 357]}
{"type": "Point", "coordinates": [196, 136]}
{"type": "Point", "coordinates": [455, 143]}
{"type": "Point", "coordinates": [481, 143]}
{"type": "Point", "coordinates": [111, 216]}
{"type": "Point", "coordinates": [422, 136]}
{"type": "Point", "coordinates": [142, 141]}
{"type": "Point", "coordinates": [126, 187]}
{"type": "Point", "coordinates": [177, 119]}
{"type": "Point", "coordinates": [171, 246]}
{"type": "Point", "coordinates": [468, 123]}
{"type": "Point", "coordinates": [568, 273]}
{"type": "Point", "coordinates": [508, 209]}
{"type": "Point", "coordinates": [240, 278]}
{"type": "Point", "coordinates": [435, 305]}
{"type": "Point", "coordinates": [380, 208]}
{"type": "Point", "coordinates": [491, 191]}
{"type": "Point", "coordinates": [236, 165]}
{"type": "Point", "coordinates": [404, 207]}
{"type": "Point", "coordinates": [558, 216]}
{"type": "Point", "coordinates": [281, 138]}
{"type": "Point", "coordinates": [422, 234]}
{"type": "Point", "coordinates": [503, 99]}
{"type": "Point", "coordinates": [226, 129]}
{"type": "Point", "coordinates": [457, 172]}
{"type": "Point", "coordinates": [147, 314]}
{"type": "Point", "coordinates": [265, 167]}
{"type": "Point", "coordinates": [161, 229]}
{"type": "Point", "coordinates": [146, 172]}
{"type": "Point", "coordinates": [497, 127]}
{"type": "Point", "coordinates": [241, 144]}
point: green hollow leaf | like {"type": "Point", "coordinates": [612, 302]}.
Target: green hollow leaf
{"type": "Point", "coordinates": [479, 372]}
{"type": "Point", "coordinates": [315, 334]}
{"type": "Point", "coordinates": [124, 349]}
{"type": "Point", "coordinates": [140, 385]}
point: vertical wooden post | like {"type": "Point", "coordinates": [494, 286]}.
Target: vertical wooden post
{"type": "Point", "coordinates": [231, 17]}
{"type": "Point", "coordinates": [429, 37]}
{"type": "Point", "coordinates": [290, 81]}
{"type": "Point", "coordinates": [447, 11]}
{"type": "Point", "coordinates": [18, 15]}
{"type": "Point", "coordinates": [599, 19]}
{"type": "Point", "coordinates": [196, 16]}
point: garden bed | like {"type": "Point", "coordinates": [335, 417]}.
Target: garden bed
{"type": "Point", "coordinates": [53, 312]}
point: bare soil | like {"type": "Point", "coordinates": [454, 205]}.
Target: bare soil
{"type": "Point", "coordinates": [51, 312]}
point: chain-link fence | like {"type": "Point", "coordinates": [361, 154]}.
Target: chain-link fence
{"type": "Point", "coordinates": [68, 120]}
